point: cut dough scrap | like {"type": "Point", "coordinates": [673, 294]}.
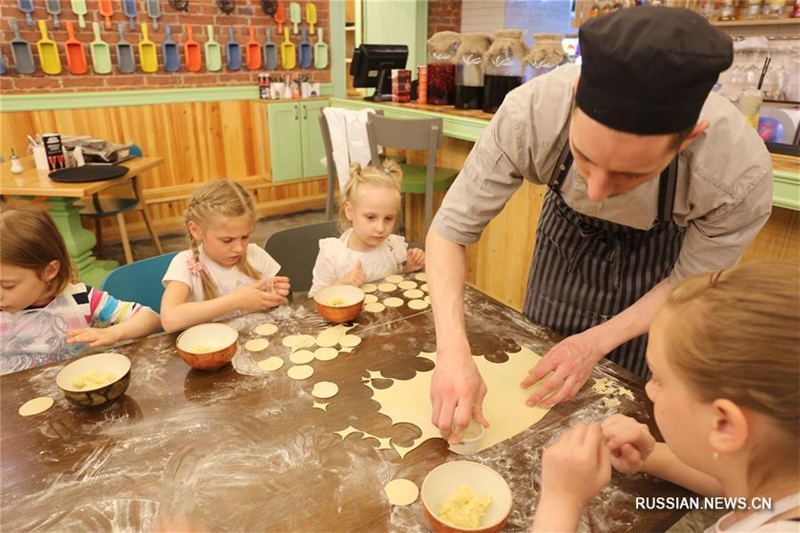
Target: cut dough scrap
{"type": "Point", "coordinates": [256, 345]}
{"type": "Point", "coordinates": [413, 293]}
{"type": "Point", "coordinates": [324, 390]}
{"type": "Point", "coordinates": [321, 405]}
{"type": "Point", "coordinates": [326, 353]}
{"type": "Point", "coordinates": [369, 287]}
{"type": "Point", "coordinates": [383, 443]}
{"type": "Point", "coordinates": [387, 287]}
{"type": "Point", "coordinates": [370, 298]}
{"type": "Point", "coordinates": [347, 431]}
{"type": "Point", "coordinates": [393, 302]}
{"type": "Point", "coordinates": [422, 276]}
{"type": "Point", "coordinates": [300, 372]}
{"type": "Point", "coordinates": [401, 492]}
{"type": "Point", "coordinates": [424, 287]}
{"type": "Point", "coordinates": [36, 406]}
{"type": "Point", "coordinates": [350, 341]}
{"type": "Point", "coordinates": [418, 305]}
{"type": "Point", "coordinates": [301, 357]}
{"type": "Point", "coordinates": [374, 307]}
{"type": "Point", "coordinates": [330, 336]}
{"type": "Point", "coordinates": [270, 364]}
{"type": "Point", "coordinates": [405, 285]}
{"type": "Point", "coordinates": [267, 328]}
{"type": "Point", "coordinates": [394, 278]}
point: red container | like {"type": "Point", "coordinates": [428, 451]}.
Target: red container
{"type": "Point", "coordinates": [441, 83]}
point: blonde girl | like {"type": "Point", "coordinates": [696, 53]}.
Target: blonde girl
{"type": "Point", "coordinates": [724, 351]}
{"type": "Point", "coordinates": [367, 250]}
{"type": "Point", "coordinates": [45, 314]}
{"type": "Point", "coordinates": [222, 274]}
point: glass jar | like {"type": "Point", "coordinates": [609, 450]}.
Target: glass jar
{"type": "Point", "coordinates": [503, 67]}
{"type": "Point", "coordinates": [442, 47]}
{"type": "Point", "coordinates": [469, 70]}
{"type": "Point", "coordinates": [774, 8]}
{"type": "Point", "coordinates": [547, 54]}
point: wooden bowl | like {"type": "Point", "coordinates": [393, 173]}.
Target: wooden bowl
{"type": "Point", "coordinates": [97, 395]}
{"type": "Point", "coordinates": [208, 346]}
{"type": "Point", "coordinates": [444, 480]}
{"type": "Point", "coordinates": [339, 303]}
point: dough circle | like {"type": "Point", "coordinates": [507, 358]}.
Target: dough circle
{"type": "Point", "coordinates": [427, 298]}
{"type": "Point", "coordinates": [394, 278]}
{"type": "Point", "coordinates": [301, 357]}
{"type": "Point", "coordinates": [387, 287]}
{"type": "Point", "coordinates": [267, 328]}
{"type": "Point", "coordinates": [374, 307]}
{"type": "Point", "coordinates": [401, 492]}
{"type": "Point", "coordinates": [298, 341]}
{"type": "Point", "coordinates": [324, 390]}
{"type": "Point", "coordinates": [300, 372]}
{"type": "Point", "coordinates": [369, 287]}
{"type": "Point", "coordinates": [326, 353]}
{"type": "Point", "coordinates": [370, 299]}
{"type": "Point", "coordinates": [422, 276]}
{"type": "Point", "coordinates": [290, 341]}
{"type": "Point", "coordinates": [424, 287]}
{"type": "Point", "coordinates": [405, 285]}
{"type": "Point", "coordinates": [36, 406]}
{"type": "Point", "coordinates": [349, 341]}
{"type": "Point", "coordinates": [418, 305]}
{"type": "Point", "coordinates": [270, 364]}
{"type": "Point", "coordinates": [256, 345]}
{"type": "Point", "coordinates": [393, 302]}
{"type": "Point", "coordinates": [413, 293]}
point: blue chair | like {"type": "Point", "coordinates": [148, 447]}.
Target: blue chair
{"type": "Point", "coordinates": [139, 281]}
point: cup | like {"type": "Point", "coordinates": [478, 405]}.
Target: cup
{"type": "Point", "coordinates": [470, 439]}
{"type": "Point", "coordinates": [40, 158]}
{"type": "Point", "coordinates": [750, 105]}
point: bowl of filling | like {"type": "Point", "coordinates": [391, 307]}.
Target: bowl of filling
{"type": "Point", "coordinates": [95, 380]}
{"type": "Point", "coordinates": [208, 346]}
{"type": "Point", "coordinates": [462, 496]}
{"type": "Point", "coordinates": [339, 303]}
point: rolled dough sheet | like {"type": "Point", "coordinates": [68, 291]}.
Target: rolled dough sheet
{"type": "Point", "coordinates": [36, 406]}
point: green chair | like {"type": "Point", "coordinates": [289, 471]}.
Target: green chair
{"type": "Point", "coordinates": [413, 134]}
{"type": "Point", "coordinates": [296, 249]}
{"type": "Point", "coordinates": [140, 281]}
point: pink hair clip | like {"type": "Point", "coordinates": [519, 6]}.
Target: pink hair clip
{"type": "Point", "coordinates": [195, 267]}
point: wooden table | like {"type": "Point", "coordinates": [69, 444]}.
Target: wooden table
{"type": "Point", "coordinates": [225, 451]}
{"type": "Point", "coordinates": [61, 198]}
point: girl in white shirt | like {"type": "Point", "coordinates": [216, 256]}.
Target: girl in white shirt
{"type": "Point", "coordinates": [724, 351]}
{"type": "Point", "coordinates": [222, 274]}
{"type": "Point", "coordinates": [367, 250]}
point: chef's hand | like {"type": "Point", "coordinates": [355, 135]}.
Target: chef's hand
{"type": "Point", "coordinates": [280, 285]}
{"type": "Point", "coordinates": [355, 277]}
{"type": "Point", "coordinates": [415, 260]}
{"type": "Point", "coordinates": [630, 442]}
{"type": "Point", "coordinates": [94, 336]}
{"type": "Point", "coordinates": [570, 361]}
{"type": "Point", "coordinates": [456, 383]}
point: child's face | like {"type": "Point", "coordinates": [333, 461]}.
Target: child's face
{"type": "Point", "coordinates": [21, 287]}
{"type": "Point", "coordinates": [374, 214]}
{"type": "Point", "coordinates": [684, 421]}
{"type": "Point", "coordinates": [226, 241]}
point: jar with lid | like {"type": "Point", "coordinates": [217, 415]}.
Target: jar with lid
{"type": "Point", "coordinates": [469, 70]}
{"type": "Point", "coordinates": [503, 67]}
{"type": "Point", "coordinates": [774, 8]}
{"type": "Point", "coordinates": [442, 47]}
{"type": "Point", "coordinates": [547, 53]}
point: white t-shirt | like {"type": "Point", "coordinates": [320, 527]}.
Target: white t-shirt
{"type": "Point", "coordinates": [335, 259]}
{"type": "Point", "coordinates": [226, 279]}
{"type": "Point", "coordinates": [759, 521]}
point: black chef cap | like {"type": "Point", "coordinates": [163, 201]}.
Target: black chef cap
{"type": "Point", "coordinates": [648, 70]}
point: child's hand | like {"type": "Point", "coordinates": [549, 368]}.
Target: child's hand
{"type": "Point", "coordinates": [415, 259]}
{"type": "Point", "coordinates": [576, 468]}
{"type": "Point", "coordinates": [280, 285]}
{"type": "Point", "coordinates": [94, 336]}
{"type": "Point", "coordinates": [355, 277]}
{"type": "Point", "coordinates": [257, 297]}
{"type": "Point", "coordinates": [629, 441]}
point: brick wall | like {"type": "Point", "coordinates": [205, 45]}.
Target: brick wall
{"type": "Point", "coordinates": [200, 14]}
{"type": "Point", "coordinates": [444, 15]}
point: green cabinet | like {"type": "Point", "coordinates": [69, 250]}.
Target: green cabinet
{"type": "Point", "coordinates": [295, 140]}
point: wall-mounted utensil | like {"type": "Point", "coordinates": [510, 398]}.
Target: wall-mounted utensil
{"type": "Point", "coordinates": [106, 9]}
{"type": "Point", "coordinates": [295, 15]}
{"type": "Point", "coordinates": [101, 55]}
{"type": "Point", "coordinates": [320, 52]}
{"type": "Point", "coordinates": [79, 8]}
{"type": "Point", "coordinates": [311, 17]}
{"type": "Point", "coordinates": [269, 7]}
{"type": "Point", "coordinates": [280, 17]}
{"type": "Point", "coordinates": [26, 6]}
{"type": "Point", "coordinates": [270, 52]}
{"type": "Point", "coordinates": [21, 51]}
{"type": "Point", "coordinates": [253, 51]}
{"type": "Point", "coordinates": [48, 52]}
{"type": "Point", "coordinates": [129, 8]}
{"type": "Point", "coordinates": [126, 61]}
{"type": "Point", "coordinates": [305, 50]}
{"type": "Point", "coordinates": [73, 49]}
{"type": "Point", "coordinates": [172, 60]}
{"type": "Point", "coordinates": [191, 50]}
{"type": "Point", "coordinates": [2, 64]}
{"type": "Point", "coordinates": [53, 7]}
{"type": "Point", "coordinates": [213, 51]}
{"type": "Point", "coordinates": [288, 57]}
{"type": "Point", "coordinates": [226, 6]}
{"type": "Point", "coordinates": [154, 12]}
{"type": "Point", "coordinates": [233, 52]}
{"type": "Point", "coordinates": [148, 59]}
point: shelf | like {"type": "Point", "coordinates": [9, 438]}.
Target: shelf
{"type": "Point", "coordinates": [754, 22]}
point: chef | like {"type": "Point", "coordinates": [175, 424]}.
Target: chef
{"type": "Point", "coordinates": [651, 178]}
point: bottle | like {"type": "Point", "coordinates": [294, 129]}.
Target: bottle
{"type": "Point", "coordinates": [16, 164]}
{"type": "Point", "coordinates": [753, 9]}
{"type": "Point", "coordinates": [796, 11]}
{"type": "Point", "coordinates": [726, 10]}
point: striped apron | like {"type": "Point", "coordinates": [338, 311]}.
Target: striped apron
{"type": "Point", "coordinates": [585, 270]}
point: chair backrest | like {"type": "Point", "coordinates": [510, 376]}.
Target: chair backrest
{"type": "Point", "coordinates": [296, 249]}
{"type": "Point", "coordinates": [140, 281]}
{"type": "Point", "coordinates": [403, 134]}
